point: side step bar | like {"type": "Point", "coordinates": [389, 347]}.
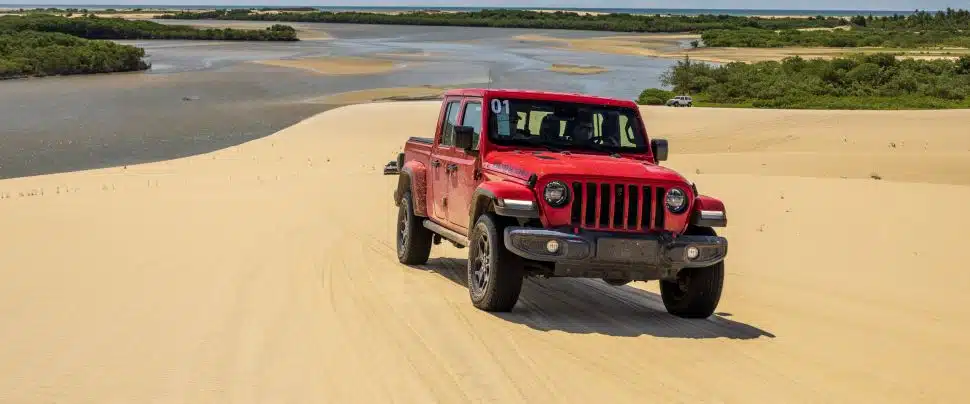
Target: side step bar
{"type": "Point", "coordinates": [448, 234]}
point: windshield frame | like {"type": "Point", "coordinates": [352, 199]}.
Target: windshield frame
{"type": "Point", "coordinates": [632, 115]}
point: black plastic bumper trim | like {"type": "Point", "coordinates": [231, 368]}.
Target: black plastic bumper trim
{"type": "Point", "coordinates": [647, 250]}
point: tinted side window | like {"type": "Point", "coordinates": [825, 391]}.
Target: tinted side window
{"type": "Point", "coordinates": [473, 118]}
{"type": "Point", "coordinates": [448, 129]}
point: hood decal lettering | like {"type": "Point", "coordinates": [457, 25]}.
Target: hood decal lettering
{"type": "Point", "coordinates": [507, 169]}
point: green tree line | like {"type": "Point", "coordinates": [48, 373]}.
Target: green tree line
{"type": "Point", "coordinates": [118, 28]}
{"type": "Point", "coordinates": [43, 45]}
{"type": "Point", "coordinates": [919, 30]}
{"type": "Point", "coordinates": [858, 81]}
{"type": "Point", "coordinates": [31, 53]}
{"type": "Point", "coordinates": [504, 18]}
{"type": "Point", "coordinates": [948, 19]}
{"type": "Point", "coordinates": [857, 37]}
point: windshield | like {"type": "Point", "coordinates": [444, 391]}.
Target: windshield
{"type": "Point", "coordinates": [565, 126]}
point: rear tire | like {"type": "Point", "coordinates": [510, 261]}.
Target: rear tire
{"type": "Point", "coordinates": [413, 239]}
{"type": "Point", "coordinates": [495, 274]}
{"type": "Point", "coordinates": [697, 291]}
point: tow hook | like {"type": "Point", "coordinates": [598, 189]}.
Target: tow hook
{"type": "Point", "coordinates": [667, 237]}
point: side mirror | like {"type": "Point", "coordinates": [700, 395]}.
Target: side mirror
{"type": "Point", "coordinates": [659, 148]}
{"type": "Point", "coordinates": [464, 137]}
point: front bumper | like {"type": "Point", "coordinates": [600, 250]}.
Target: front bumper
{"type": "Point", "coordinates": [615, 255]}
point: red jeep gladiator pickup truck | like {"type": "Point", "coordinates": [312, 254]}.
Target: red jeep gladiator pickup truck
{"type": "Point", "coordinates": [556, 185]}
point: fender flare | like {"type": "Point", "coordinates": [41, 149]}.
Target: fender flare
{"type": "Point", "coordinates": [413, 178]}
{"type": "Point", "coordinates": [490, 196]}
{"type": "Point", "coordinates": [708, 212]}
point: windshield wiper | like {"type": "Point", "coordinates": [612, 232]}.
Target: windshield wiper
{"type": "Point", "coordinates": [534, 141]}
{"type": "Point", "coordinates": [601, 148]}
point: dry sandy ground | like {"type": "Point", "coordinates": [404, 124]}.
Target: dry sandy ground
{"type": "Point", "coordinates": [266, 272]}
{"type": "Point", "coordinates": [667, 46]}
{"type": "Point", "coordinates": [337, 65]}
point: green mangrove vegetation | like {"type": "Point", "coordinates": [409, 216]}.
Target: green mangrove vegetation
{"type": "Point", "coordinates": [43, 44]}
{"type": "Point", "coordinates": [118, 28]}
{"type": "Point", "coordinates": [950, 28]}
{"type": "Point", "coordinates": [504, 18]}
{"type": "Point", "coordinates": [31, 53]}
{"type": "Point", "coordinates": [857, 37]}
{"type": "Point", "coordinates": [857, 81]}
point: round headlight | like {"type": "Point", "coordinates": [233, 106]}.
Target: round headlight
{"type": "Point", "coordinates": [676, 200]}
{"type": "Point", "coordinates": [556, 193]}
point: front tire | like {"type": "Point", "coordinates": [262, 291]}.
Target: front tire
{"type": "Point", "coordinates": [495, 274]}
{"type": "Point", "coordinates": [413, 239]}
{"type": "Point", "coordinates": [616, 282]}
{"type": "Point", "coordinates": [696, 292]}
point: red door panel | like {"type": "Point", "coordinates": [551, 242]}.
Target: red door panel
{"type": "Point", "coordinates": [462, 181]}
{"type": "Point", "coordinates": [444, 145]}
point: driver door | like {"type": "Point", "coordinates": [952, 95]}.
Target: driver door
{"type": "Point", "coordinates": [462, 180]}
{"type": "Point", "coordinates": [437, 169]}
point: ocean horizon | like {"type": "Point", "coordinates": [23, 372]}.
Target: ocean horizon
{"type": "Point", "coordinates": [650, 11]}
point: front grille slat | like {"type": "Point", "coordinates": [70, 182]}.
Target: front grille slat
{"type": "Point", "coordinates": [634, 209]}
{"type": "Point", "coordinates": [603, 212]}
{"type": "Point", "coordinates": [589, 206]}
{"type": "Point", "coordinates": [646, 212]}
{"type": "Point", "coordinates": [659, 208]}
{"type": "Point", "coordinates": [619, 206]}
{"type": "Point", "coordinates": [610, 206]}
{"type": "Point", "coordinates": [577, 206]}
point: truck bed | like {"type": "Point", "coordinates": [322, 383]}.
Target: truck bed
{"type": "Point", "coordinates": [425, 140]}
{"type": "Point", "coordinates": [418, 149]}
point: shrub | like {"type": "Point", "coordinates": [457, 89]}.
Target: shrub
{"type": "Point", "coordinates": [654, 96]}
{"type": "Point", "coordinates": [875, 81]}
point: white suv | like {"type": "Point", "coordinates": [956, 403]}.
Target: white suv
{"type": "Point", "coordinates": [681, 101]}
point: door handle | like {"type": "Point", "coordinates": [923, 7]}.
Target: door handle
{"type": "Point", "coordinates": [451, 167]}
{"type": "Point", "coordinates": [435, 163]}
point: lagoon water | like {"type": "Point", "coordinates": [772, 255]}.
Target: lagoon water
{"type": "Point", "coordinates": [203, 95]}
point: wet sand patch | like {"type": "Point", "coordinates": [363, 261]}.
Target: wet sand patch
{"type": "Point", "coordinates": [410, 55]}
{"type": "Point", "coordinates": [382, 94]}
{"type": "Point", "coordinates": [336, 65]}
{"type": "Point", "coordinates": [576, 69]}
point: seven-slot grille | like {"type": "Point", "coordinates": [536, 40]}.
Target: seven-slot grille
{"type": "Point", "coordinates": [610, 206]}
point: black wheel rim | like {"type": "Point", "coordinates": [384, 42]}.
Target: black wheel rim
{"type": "Point", "coordinates": [482, 263]}
{"type": "Point", "coordinates": [679, 287]}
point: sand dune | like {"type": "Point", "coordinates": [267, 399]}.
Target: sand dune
{"type": "Point", "coordinates": [266, 273]}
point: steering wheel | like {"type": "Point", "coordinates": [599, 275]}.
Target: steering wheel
{"type": "Point", "coordinates": [629, 133]}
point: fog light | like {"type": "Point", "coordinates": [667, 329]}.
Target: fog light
{"type": "Point", "coordinates": [552, 246]}
{"type": "Point", "coordinates": [692, 252]}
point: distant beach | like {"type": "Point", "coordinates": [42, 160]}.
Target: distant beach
{"type": "Point", "coordinates": [651, 11]}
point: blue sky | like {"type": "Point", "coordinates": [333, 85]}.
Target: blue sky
{"type": "Point", "coordinates": [904, 5]}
